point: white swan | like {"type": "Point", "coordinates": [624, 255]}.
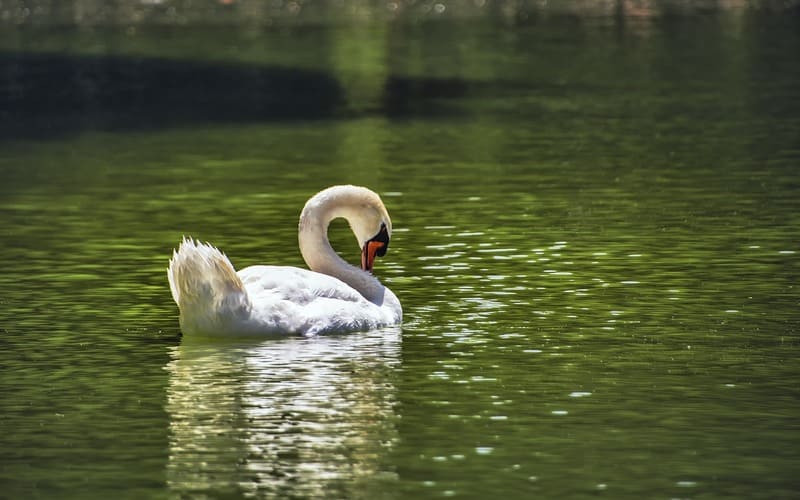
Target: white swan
{"type": "Point", "coordinates": [276, 300]}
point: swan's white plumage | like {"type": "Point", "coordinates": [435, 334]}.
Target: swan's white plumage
{"type": "Point", "coordinates": [214, 299]}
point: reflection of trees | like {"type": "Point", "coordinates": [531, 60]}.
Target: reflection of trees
{"type": "Point", "coordinates": [297, 417]}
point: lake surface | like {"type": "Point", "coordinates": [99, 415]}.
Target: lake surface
{"type": "Point", "coordinates": [596, 245]}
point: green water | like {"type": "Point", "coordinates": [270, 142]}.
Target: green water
{"type": "Point", "coordinates": [596, 247]}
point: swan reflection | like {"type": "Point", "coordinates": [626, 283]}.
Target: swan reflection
{"type": "Point", "coordinates": [295, 417]}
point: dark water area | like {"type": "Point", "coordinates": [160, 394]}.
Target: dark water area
{"type": "Point", "coordinates": [595, 244]}
{"type": "Point", "coordinates": [55, 93]}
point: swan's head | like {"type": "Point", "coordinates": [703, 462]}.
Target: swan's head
{"type": "Point", "coordinates": [371, 225]}
{"type": "Point", "coordinates": [363, 210]}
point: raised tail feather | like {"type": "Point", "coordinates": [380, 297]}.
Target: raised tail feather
{"type": "Point", "coordinates": [205, 285]}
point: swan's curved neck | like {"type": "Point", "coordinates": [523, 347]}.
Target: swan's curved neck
{"type": "Point", "coordinates": [320, 256]}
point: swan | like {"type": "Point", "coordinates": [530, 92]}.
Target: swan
{"type": "Point", "coordinates": [332, 297]}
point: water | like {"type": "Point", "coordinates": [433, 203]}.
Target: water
{"type": "Point", "coordinates": [595, 244]}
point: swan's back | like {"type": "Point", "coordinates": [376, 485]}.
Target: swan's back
{"type": "Point", "coordinates": [291, 299]}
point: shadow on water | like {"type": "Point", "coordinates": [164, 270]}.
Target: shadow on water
{"type": "Point", "coordinates": [50, 95]}
{"type": "Point", "coordinates": [47, 95]}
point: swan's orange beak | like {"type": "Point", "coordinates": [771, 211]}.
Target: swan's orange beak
{"type": "Point", "coordinates": [371, 249]}
{"type": "Point", "coordinates": [376, 247]}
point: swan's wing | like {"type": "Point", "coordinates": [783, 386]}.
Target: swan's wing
{"type": "Point", "coordinates": [297, 300]}
{"type": "Point", "coordinates": [294, 284]}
